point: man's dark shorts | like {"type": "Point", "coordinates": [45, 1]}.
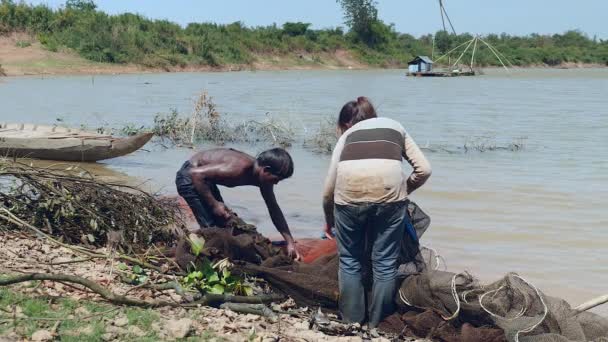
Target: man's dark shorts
{"type": "Point", "coordinates": [203, 212]}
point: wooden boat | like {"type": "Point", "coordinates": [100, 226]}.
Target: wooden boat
{"type": "Point", "coordinates": [61, 143]}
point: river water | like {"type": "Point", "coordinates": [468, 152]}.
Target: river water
{"type": "Point", "coordinates": [539, 211]}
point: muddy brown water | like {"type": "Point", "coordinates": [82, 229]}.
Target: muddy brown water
{"type": "Point", "coordinates": [539, 211]}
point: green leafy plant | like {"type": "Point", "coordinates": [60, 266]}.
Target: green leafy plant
{"type": "Point", "coordinates": [196, 244]}
{"type": "Point", "coordinates": [216, 278]}
{"type": "Point", "coordinates": [131, 129]}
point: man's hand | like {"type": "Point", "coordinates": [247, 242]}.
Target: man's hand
{"type": "Point", "coordinates": [292, 252]}
{"type": "Point", "coordinates": [221, 211]}
{"type": "Point", "coordinates": [328, 233]}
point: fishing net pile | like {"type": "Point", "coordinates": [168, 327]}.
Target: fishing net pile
{"type": "Point", "coordinates": [70, 204]}
{"type": "Point", "coordinates": [432, 303]}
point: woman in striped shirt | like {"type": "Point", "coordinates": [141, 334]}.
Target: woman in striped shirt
{"type": "Point", "coordinates": [365, 197]}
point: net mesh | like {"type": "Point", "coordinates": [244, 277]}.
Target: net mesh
{"type": "Point", "coordinates": [432, 303]}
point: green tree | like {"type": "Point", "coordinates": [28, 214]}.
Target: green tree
{"type": "Point", "coordinates": [360, 16]}
{"type": "Point", "coordinates": [81, 5]}
{"type": "Point", "coordinates": [295, 29]}
{"type": "Point", "coordinates": [132, 38]}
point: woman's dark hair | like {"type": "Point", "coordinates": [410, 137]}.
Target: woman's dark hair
{"type": "Point", "coordinates": [278, 162]}
{"type": "Point", "coordinates": [356, 111]}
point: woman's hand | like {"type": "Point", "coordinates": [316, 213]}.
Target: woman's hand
{"type": "Point", "coordinates": [328, 233]}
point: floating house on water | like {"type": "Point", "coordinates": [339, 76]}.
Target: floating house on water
{"type": "Point", "coordinates": [420, 64]}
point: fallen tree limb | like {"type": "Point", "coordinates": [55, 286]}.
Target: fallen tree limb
{"type": "Point", "coordinates": [91, 285]}
{"type": "Point", "coordinates": [211, 299]}
{"type": "Point", "coordinates": [256, 309]}
{"type": "Point", "coordinates": [75, 261]}
{"type": "Point", "coordinates": [27, 318]}
{"type": "Point", "coordinates": [208, 299]}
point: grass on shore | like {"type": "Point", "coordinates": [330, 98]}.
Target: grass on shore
{"type": "Point", "coordinates": [23, 315]}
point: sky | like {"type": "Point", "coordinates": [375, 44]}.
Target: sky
{"type": "Point", "coordinates": [516, 17]}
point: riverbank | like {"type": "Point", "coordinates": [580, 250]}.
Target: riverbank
{"type": "Point", "coordinates": [23, 55]}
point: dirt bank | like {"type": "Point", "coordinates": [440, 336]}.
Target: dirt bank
{"type": "Point", "coordinates": [21, 54]}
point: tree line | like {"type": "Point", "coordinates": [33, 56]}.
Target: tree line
{"type": "Point", "coordinates": [132, 38]}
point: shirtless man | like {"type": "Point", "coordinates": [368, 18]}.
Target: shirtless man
{"type": "Point", "coordinates": [198, 178]}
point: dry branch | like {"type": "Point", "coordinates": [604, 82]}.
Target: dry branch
{"type": "Point", "coordinates": [256, 309]}
{"type": "Point", "coordinates": [80, 209]}
{"type": "Point", "coordinates": [6, 215]}
{"type": "Point", "coordinates": [207, 299]}
{"type": "Point", "coordinates": [93, 286]}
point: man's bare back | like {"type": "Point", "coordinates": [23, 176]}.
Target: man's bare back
{"type": "Point", "coordinates": [226, 167]}
{"type": "Point", "coordinates": [198, 178]}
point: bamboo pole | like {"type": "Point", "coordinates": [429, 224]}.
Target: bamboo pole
{"type": "Point", "coordinates": [503, 56]}
{"type": "Point", "coordinates": [592, 303]}
{"type": "Point", "coordinates": [441, 12]}
{"type": "Point", "coordinates": [463, 52]}
{"type": "Point", "coordinates": [495, 54]}
{"type": "Point", "coordinates": [495, 50]}
{"type": "Point", "coordinates": [473, 54]}
{"type": "Point", "coordinates": [446, 54]}
{"type": "Point", "coordinates": [446, 15]}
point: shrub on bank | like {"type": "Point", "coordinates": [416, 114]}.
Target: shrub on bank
{"type": "Point", "coordinates": [132, 38]}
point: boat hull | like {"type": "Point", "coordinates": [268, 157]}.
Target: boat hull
{"type": "Point", "coordinates": [52, 143]}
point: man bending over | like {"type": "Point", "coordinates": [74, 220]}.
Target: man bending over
{"type": "Point", "coordinates": [198, 178]}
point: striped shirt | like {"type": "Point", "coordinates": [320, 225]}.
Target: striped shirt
{"type": "Point", "coordinates": [366, 164]}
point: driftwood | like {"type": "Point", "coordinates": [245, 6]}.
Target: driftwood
{"type": "Point", "coordinates": [208, 299]}
{"type": "Point", "coordinates": [256, 309]}
{"type": "Point", "coordinates": [93, 286]}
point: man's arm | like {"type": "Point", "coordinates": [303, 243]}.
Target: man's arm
{"type": "Point", "coordinates": [278, 219]}
{"type": "Point", "coordinates": [276, 215]}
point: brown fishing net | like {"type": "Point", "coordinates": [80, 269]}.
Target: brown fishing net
{"type": "Point", "coordinates": [432, 303]}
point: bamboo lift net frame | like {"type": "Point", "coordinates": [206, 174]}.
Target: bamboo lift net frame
{"type": "Point", "coordinates": [475, 41]}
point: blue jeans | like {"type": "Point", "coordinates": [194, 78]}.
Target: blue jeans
{"type": "Point", "coordinates": [383, 225]}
